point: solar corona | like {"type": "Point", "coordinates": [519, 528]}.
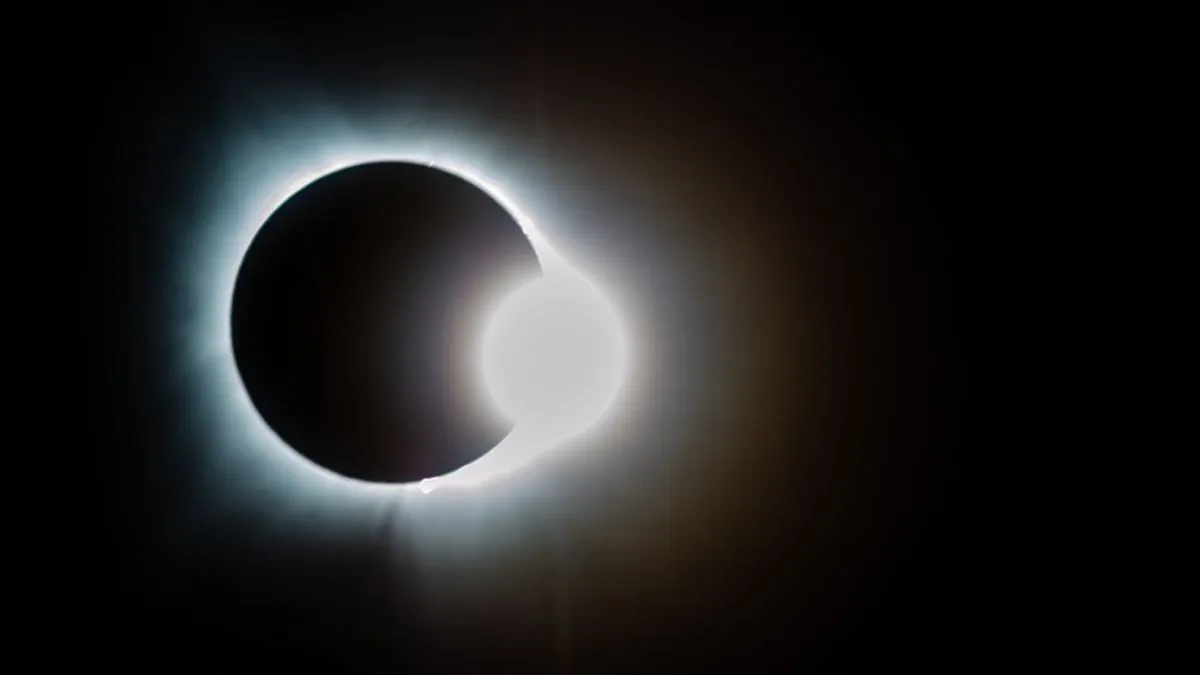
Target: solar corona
{"type": "Point", "coordinates": [552, 358]}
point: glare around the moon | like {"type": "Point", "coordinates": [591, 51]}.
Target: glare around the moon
{"type": "Point", "coordinates": [553, 356]}
{"type": "Point", "coordinates": [258, 181]}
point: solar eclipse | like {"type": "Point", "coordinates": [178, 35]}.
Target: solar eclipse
{"type": "Point", "coordinates": [378, 300]}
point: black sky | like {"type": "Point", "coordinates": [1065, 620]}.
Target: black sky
{"type": "Point", "coordinates": [809, 207]}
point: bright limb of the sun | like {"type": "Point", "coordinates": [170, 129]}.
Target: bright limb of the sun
{"type": "Point", "coordinates": [553, 359]}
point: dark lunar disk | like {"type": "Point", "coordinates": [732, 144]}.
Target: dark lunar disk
{"type": "Point", "coordinates": [356, 312]}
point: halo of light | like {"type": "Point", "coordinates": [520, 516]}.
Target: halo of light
{"type": "Point", "coordinates": [254, 190]}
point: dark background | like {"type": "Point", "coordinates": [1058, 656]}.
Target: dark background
{"type": "Point", "coordinates": [818, 483]}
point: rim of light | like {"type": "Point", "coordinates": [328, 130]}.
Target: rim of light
{"type": "Point", "coordinates": [275, 185]}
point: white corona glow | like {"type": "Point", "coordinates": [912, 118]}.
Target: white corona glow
{"type": "Point", "coordinates": [259, 182]}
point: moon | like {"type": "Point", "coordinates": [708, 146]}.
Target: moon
{"type": "Point", "coordinates": [400, 323]}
